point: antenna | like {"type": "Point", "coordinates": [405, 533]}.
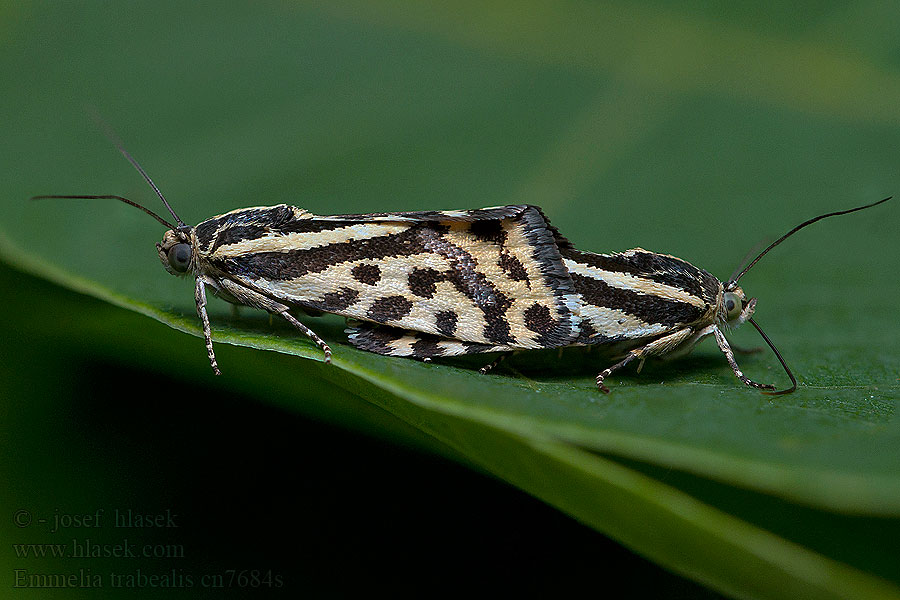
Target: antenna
{"type": "Point", "coordinates": [111, 135]}
{"type": "Point", "coordinates": [111, 197]}
{"type": "Point", "coordinates": [733, 280]}
{"type": "Point", "coordinates": [780, 359]}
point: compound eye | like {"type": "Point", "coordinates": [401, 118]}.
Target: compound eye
{"type": "Point", "coordinates": [733, 305]}
{"type": "Point", "coordinates": [180, 257]}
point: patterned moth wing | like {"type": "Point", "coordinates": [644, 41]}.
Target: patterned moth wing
{"type": "Point", "coordinates": [393, 341]}
{"type": "Point", "coordinates": [489, 278]}
{"type": "Point", "coordinates": [626, 300]}
{"type": "Point", "coordinates": [629, 299]}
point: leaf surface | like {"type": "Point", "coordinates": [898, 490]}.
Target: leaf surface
{"type": "Point", "coordinates": [644, 126]}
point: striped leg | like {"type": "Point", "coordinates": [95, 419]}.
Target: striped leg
{"type": "Point", "coordinates": [249, 297]}
{"type": "Point", "coordinates": [607, 372]}
{"type": "Point", "coordinates": [659, 346]}
{"type": "Point", "coordinates": [200, 299]}
{"type": "Point", "coordinates": [309, 333]}
{"type": "Point", "coordinates": [729, 355]}
{"type": "Point", "coordinates": [483, 370]}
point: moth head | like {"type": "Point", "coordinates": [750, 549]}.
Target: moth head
{"type": "Point", "coordinates": [176, 252]}
{"type": "Point", "coordinates": [735, 307]}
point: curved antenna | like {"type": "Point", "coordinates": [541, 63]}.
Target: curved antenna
{"type": "Point", "coordinates": [750, 253]}
{"type": "Point", "coordinates": [734, 279]}
{"type": "Point", "coordinates": [111, 135]}
{"type": "Point", "coordinates": [110, 197]}
{"type": "Point", "coordinates": [781, 360]}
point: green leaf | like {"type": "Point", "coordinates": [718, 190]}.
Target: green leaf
{"type": "Point", "coordinates": [674, 129]}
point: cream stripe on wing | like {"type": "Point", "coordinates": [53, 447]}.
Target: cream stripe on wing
{"type": "Point", "coordinates": [611, 322]}
{"type": "Point", "coordinates": [626, 281]}
{"type": "Point", "coordinates": [313, 239]}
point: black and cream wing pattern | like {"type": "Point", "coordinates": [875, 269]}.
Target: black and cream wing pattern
{"type": "Point", "coordinates": [477, 280]}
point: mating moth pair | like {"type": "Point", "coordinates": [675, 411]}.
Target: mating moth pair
{"type": "Point", "coordinates": [447, 283]}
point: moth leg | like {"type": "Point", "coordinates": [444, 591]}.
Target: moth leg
{"type": "Point", "coordinates": [607, 372]}
{"type": "Point", "coordinates": [661, 346]}
{"type": "Point", "coordinates": [309, 333]}
{"type": "Point", "coordinates": [726, 350]}
{"type": "Point", "coordinates": [486, 368]}
{"type": "Point", "coordinates": [640, 366]}
{"type": "Point", "coordinates": [257, 300]}
{"type": "Point", "coordinates": [200, 298]}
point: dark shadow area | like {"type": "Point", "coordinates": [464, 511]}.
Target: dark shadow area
{"type": "Point", "coordinates": [868, 543]}
{"type": "Point", "coordinates": [328, 510]}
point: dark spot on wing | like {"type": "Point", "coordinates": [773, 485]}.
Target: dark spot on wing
{"type": "Point", "coordinates": [373, 338]}
{"type": "Point", "coordinates": [489, 231]}
{"type": "Point", "coordinates": [538, 319]}
{"type": "Point", "coordinates": [513, 268]}
{"type": "Point", "coordinates": [426, 346]}
{"type": "Point", "coordinates": [336, 301]}
{"type": "Point", "coordinates": [422, 282]}
{"type": "Point", "coordinates": [368, 274]}
{"type": "Point", "coordinates": [445, 321]}
{"type": "Point", "coordinates": [389, 309]}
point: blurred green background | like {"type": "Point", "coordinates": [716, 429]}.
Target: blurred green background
{"type": "Point", "coordinates": [694, 129]}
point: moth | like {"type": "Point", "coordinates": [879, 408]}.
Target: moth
{"type": "Point", "coordinates": [446, 283]}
